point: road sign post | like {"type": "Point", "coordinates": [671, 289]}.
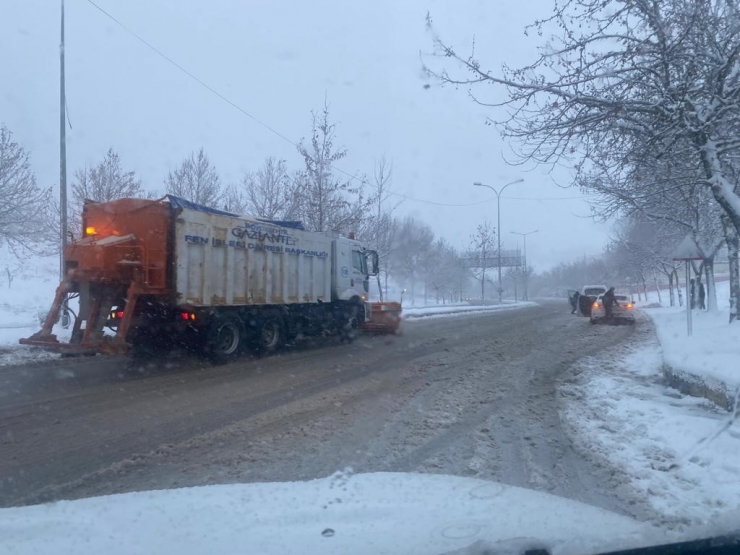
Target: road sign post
{"type": "Point", "coordinates": [687, 251]}
{"type": "Point", "coordinates": [689, 323]}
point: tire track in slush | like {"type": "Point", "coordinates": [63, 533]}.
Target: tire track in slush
{"type": "Point", "coordinates": [115, 428]}
{"type": "Point", "coordinates": [472, 396]}
{"type": "Point", "coordinates": [223, 416]}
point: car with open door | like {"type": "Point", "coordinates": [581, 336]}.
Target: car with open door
{"type": "Point", "coordinates": [623, 311]}
{"type": "Point", "coordinates": [589, 294]}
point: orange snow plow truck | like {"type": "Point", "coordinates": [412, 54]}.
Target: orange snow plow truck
{"type": "Point", "coordinates": [159, 273]}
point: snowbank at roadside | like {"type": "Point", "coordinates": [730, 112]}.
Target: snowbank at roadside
{"type": "Point", "coordinates": [27, 290]}
{"type": "Point", "coordinates": [712, 354]}
{"type": "Point", "coordinates": [458, 310]}
{"type": "Point", "coordinates": [681, 454]}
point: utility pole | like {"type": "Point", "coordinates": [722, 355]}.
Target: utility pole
{"type": "Point", "coordinates": [525, 296]}
{"type": "Point", "coordinates": [498, 231]}
{"type": "Point", "coordinates": [62, 167]}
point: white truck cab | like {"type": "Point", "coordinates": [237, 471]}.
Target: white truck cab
{"type": "Point", "coordinates": [352, 269]}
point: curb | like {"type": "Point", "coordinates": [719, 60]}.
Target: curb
{"type": "Point", "coordinates": [687, 383]}
{"type": "Point", "coordinates": [697, 386]}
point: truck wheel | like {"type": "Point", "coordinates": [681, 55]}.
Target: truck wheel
{"type": "Point", "coordinates": [350, 324]}
{"type": "Point", "coordinates": [224, 338]}
{"type": "Point", "coordinates": [270, 335]}
{"type": "Point", "coordinates": [148, 344]}
{"type": "Point", "coordinates": [145, 350]}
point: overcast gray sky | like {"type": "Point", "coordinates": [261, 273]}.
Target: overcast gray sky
{"type": "Point", "coordinates": [278, 59]}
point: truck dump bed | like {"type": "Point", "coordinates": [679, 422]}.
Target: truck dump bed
{"type": "Point", "coordinates": [221, 259]}
{"type": "Point", "coordinates": [171, 252]}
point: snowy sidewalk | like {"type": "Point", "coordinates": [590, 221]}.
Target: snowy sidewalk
{"type": "Point", "coordinates": [457, 310]}
{"type": "Point", "coordinates": [712, 352]}
{"type": "Point", "coordinates": [681, 455]}
{"type": "Point", "coordinates": [708, 363]}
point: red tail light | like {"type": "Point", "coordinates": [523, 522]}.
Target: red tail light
{"type": "Point", "coordinates": [187, 316]}
{"type": "Point", "coordinates": [116, 315]}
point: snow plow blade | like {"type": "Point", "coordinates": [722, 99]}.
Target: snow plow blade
{"type": "Point", "coordinates": [385, 318]}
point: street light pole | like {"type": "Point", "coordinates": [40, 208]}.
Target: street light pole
{"type": "Point", "coordinates": [498, 231]}
{"type": "Point", "coordinates": [62, 168]}
{"type": "Point", "coordinates": [526, 277]}
{"type": "Point", "coordinates": [62, 151]}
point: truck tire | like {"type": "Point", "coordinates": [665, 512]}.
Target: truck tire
{"type": "Point", "coordinates": [350, 325]}
{"type": "Point", "coordinates": [270, 335]}
{"type": "Point", "coordinates": [224, 337]}
{"type": "Point", "coordinates": [147, 346]}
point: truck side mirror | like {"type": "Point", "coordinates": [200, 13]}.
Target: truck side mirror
{"type": "Point", "coordinates": [376, 263]}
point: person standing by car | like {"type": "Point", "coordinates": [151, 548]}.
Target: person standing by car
{"type": "Point", "coordinates": [702, 296]}
{"type": "Point", "coordinates": [609, 301]}
{"type": "Point", "coordinates": [574, 302]}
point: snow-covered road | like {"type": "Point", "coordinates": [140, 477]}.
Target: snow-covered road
{"type": "Point", "coordinates": [473, 396]}
{"type": "Point", "coordinates": [532, 397]}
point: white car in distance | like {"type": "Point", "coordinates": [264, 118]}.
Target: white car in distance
{"type": "Point", "coordinates": [622, 312]}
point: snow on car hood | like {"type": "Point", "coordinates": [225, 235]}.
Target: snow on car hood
{"type": "Point", "coordinates": [361, 513]}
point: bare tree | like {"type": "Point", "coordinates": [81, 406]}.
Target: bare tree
{"type": "Point", "coordinates": [446, 272]}
{"type": "Point", "coordinates": [733, 254]}
{"type": "Point", "coordinates": [269, 193]}
{"type": "Point", "coordinates": [104, 182]}
{"type": "Point", "coordinates": [378, 228]}
{"type": "Point", "coordinates": [327, 203]}
{"type": "Point", "coordinates": [515, 276]}
{"type": "Point", "coordinates": [196, 180]}
{"type": "Point", "coordinates": [624, 78]}
{"type": "Point", "coordinates": [411, 243]}
{"type": "Point", "coordinates": [576, 273]}
{"type": "Point", "coordinates": [22, 225]}
{"type": "Point", "coordinates": [482, 248]}
{"type": "Point", "coordinates": [666, 190]}
{"type": "Point", "coordinates": [641, 248]}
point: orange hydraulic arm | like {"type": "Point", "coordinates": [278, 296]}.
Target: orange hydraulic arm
{"type": "Point", "coordinates": [122, 257]}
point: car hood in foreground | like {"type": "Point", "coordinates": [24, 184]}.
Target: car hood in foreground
{"type": "Point", "coordinates": [361, 513]}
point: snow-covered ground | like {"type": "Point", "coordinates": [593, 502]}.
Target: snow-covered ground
{"type": "Point", "coordinates": [681, 454]}
{"type": "Point", "coordinates": [712, 352]}
{"type": "Point", "coordinates": [459, 309]}
{"type": "Point", "coordinates": [24, 302]}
